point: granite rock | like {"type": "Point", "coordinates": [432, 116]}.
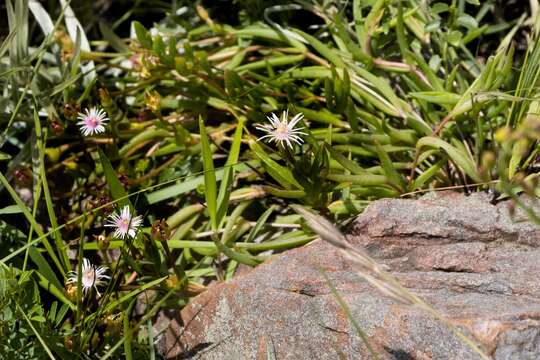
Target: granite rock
{"type": "Point", "coordinates": [468, 258]}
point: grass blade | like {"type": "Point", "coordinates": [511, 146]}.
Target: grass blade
{"type": "Point", "coordinates": [117, 189]}
{"type": "Point", "coordinates": [209, 176]}
{"type": "Point", "coordinates": [228, 173]}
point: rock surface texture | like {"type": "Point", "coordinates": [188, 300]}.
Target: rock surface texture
{"type": "Point", "coordinates": [468, 258]}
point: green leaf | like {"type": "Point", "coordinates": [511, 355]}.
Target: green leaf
{"type": "Point", "coordinates": [352, 116]}
{"type": "Point", "coordinates": [287, 194]}
{"type": "Point", "coordinates": [65, 84]}
{"type": "Point", "coordinates": [428, 174]}
{"type": "Point", "coordinates": [7, 42]}
{"type": "Point", "coordinates": [228, 231]}
{"type": "Point", "coordinates": [44, 268]}
{"type": "Point", "coordinates": [271, 61]}
{"type": "Point", "coordinates": [437, 97]}
{"type": "Point", "coordinates": [458, 157]}
{"type": "Point", "coordinates": [233, 83]}
{"type": "Point", "coordinates": [390, 171]}
{"type": "Point", "coordinates": [347, 207]}
{"type": "Point", "coordinates": [117, 189]}
{"type": "Point", "coordinates": [159, 47]}
{"type": "Point", "coordinates": [323, 116]}
{"type": "Point", "coordinates": [61, 313]}
{"type": "Point", "coordinates": [352, 46]}
{"type": "Point", "coordinates": [11, 209]}
{"type": "Point", "coordinates": [366, 180]}
{"type": "Point", "coordinates": [454, 38]}
{"type": "Point", "coordinates": [345, 92]}
{"type": "Point", "coordinates": [237, 256]}
{"type": "Point", "coordinates": [350, 165]}
{"type": "Point", "coordinates": [228, 173]}
{"type": "Point", "coordinates": [358, 22]}
{"type": "Point", "coordinates": [259, 224]}
{"type": "Point", "coordinates": [146, 135]}
{"type": "Point", "coordinates": [433, 26]}
{"type": "Point", "coordinates": [439, 7]}
{"type": "Point", "coordinates": [281, 174]}
{"type": "Point", "coordinates": [329, 92]}
{"type": "Point", "coordinates": [324, 50]}
{"type": "Point", "coordinates": [143, 35]}
{"type": "Point", "coordinates": [467, 21]}
{"type": "Point", "coordinates": [281, 35]}
{"type": "Point", "coordinates": [402, 40]}
{"type": "Point", "coordinates": [180, 188]}
{"type": "Point", "coordinates": [209, 176]}
{"type": "Point", "coordinates": [61, 247]}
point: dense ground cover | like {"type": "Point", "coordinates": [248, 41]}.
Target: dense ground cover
{"type": "Point", "coordinates": [175, 190]}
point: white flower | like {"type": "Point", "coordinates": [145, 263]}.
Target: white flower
{"type": "Point", "coordinates": [92, 121]}
{"type": "Point", "coordinates": [124, 224]}
{"type": "Point", "coordinates": [283, 131]}
{"type": "Point", "coordinates": [92, 276]}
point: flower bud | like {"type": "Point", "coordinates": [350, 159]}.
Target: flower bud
{"type": "Point", "coordinates": [503, 134]}
{"type": "Point", "coordinates": [23, 176]}
{"type": "Point", "coordinates": [71, 292]}
{"type": "Point", "coordinates": [160, 230]}
{"type": "Point", "coordinates": [66, 44]}
{"type": "Point", "coordinates": [123, 178]}
{"type": "Point", "coordinates": [70, 165]}
{"type": "Point", "coordinates": [72, 110]}
{"type": "Point", "coordinates": [103, 200]}
{"type": "Point", "coordinates": [55, 126]}
{"type": "Point", "coordinates": [153, 100]}
{"type": "Point", "coordinates": [105, 97]}
{"type": "Point", "coordinates": [103, 242]}
{"type": "Point", "coordinates": [171, 282]}
{"type": "Point", "coordinates": [68, 343]}
{"type": "Point", "coordinates": [135, 60]}
{"type": "Point", "coordinates": [113, 322]}
{"type": "Point", "coordinates": [145, 72]}
{"type": "Point", "coordinates": [53, 154]}
{"type": "Point", "coordinates": [144, 114]}
{"type": "Point", "coordinates": [95, 340]}
{"type": "Point", "coordinates": [488, 159]}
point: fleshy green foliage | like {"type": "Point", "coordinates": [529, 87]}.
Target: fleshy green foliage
{"type": "Point", "coordinates": [398, 97]}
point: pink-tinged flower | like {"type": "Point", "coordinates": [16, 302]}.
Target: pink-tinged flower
{"type": "Point", "coordinates": [92, 277]}
{"type": "Point", "coordinates": [92, 121]}
{"type": "Point", "coordinates": [124, 223]}
{"type": "Point", "coordinates": [282, 131]}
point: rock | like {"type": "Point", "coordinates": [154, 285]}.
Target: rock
{"type": "Point", "coordinates": [461, 254]}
